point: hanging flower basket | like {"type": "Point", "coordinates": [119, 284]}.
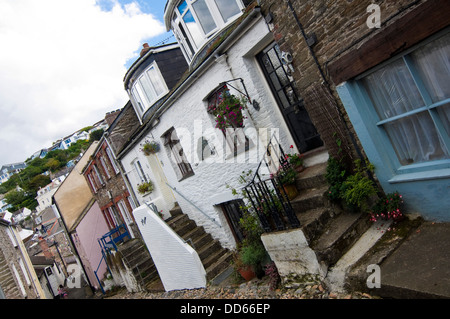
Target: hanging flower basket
{"type": "Point", "coordinates": [228, 113]}
{"type": "Point", "coordinates": [150, 148]}
{"type": "Point", "coordinates": [145, 188]}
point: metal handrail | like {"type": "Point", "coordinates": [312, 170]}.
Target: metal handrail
{"type": "Point", "coordinates": [268, 194]}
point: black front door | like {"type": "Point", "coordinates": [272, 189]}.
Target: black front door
{"type": "Point", "coordinates": [291, 105]}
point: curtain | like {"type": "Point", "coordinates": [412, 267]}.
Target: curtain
{"type": "Point", "coordinates": [394, 91]}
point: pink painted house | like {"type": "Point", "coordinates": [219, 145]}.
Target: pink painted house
{"type": "Point", "coordinates": [83, 219]}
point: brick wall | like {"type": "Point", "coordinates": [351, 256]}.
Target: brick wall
{"type": "Point", "coordinates": [340, 26]}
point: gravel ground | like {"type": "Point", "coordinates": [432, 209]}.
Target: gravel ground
{"type": "Point", "coordinates": [254, 289]}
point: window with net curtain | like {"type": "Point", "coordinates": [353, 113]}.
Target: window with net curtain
{"type": "Point", "coordinates": [411, 96]}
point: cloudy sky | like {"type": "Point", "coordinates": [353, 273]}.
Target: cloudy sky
{"type": "Point", "coordinates": [62, 63]}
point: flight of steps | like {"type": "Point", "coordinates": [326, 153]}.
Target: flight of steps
{"type": "Point", "coordinates": [138, 259]}
{"type": "Point", "coordinates": [330, 231]}
{"type": "Point", "coordinates": [214, 257]}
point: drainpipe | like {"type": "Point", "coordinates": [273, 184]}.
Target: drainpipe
{"type": "Point", "coordinates": [302, 30]}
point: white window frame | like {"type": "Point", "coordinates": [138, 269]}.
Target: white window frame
{"type": "Point", "coordinates": [112, 160]}
{"type": "Point", "coordinates": [141, 98]}
{"type": "Point", "coordinates": [140, 173]}
{"type": "Point", "coordinates": [105, 167]}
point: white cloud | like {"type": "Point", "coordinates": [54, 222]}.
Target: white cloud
{"type": "Point", "coordinates": [62, 66]}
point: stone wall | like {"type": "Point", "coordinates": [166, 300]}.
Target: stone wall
{"type": "Point", "coordinates": [338, 26]}
{"type": "Point", "coordinates": [9, 259]}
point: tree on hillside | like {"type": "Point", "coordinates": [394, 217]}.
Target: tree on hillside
{"type": "Point", "coordinates": [96, 135]}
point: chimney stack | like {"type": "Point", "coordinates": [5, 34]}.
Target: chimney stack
{"type": "Point", "coordinates": [145, 49]}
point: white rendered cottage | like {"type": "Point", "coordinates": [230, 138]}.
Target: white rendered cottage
{"type": "Point", "coordinates": [230, 50]}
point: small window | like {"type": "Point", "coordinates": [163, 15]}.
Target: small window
{"type": "Point", "coordinates": [228, 9]}
{"type": "Point", "coordinates": [112, 160]}
{"type": "Point", "coordinates": [142, 177]}
{"type": "Point", "coordinates": [172, 141]}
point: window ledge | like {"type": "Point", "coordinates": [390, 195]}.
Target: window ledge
{"type": "Point", "coordinates": [421, 176]}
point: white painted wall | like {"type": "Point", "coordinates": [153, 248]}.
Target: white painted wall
{"type": "Point", "coordinates": [178, 264]}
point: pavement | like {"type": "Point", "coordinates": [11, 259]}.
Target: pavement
{"type": "Point", "coordinates": [420, 266]}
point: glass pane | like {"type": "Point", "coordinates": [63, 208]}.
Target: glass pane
{"type": "Point", "coordinates": [182, 7]}
{"type": "Point", "coordinates": [292, 97]}
{"type": "Point", "coordinates": [433, 64]}
{"type": "Point", "coordinates": [148, 89]}
{"type": "Point", "coordinates": [205, 17]}
{"type": "Point", "coordinates": [275, 81]}
{"type": "Point", "coordinates": [284, 100]}
{"type": "Point", "coordinates": [193, 28]}
{"type": "Point", "coordinates": [156, 81]}
{"type": "Point", "coordinates": [227, 8]}
{"type": "Point", "coordinates": [416, 140]}
{"type": "Point", "coordinates": [392, 90]}
{"type": "Point", "coordinates": [139, 97]}
{"type": "Point", "coordinates": [274, 58]}
{"type": "Point", "coordinates": [266, 62]}
{"type": "Point", "coordinates": [282, 76]}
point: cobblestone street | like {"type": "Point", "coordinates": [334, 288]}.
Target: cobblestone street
{"type": "Point", "coordinates": [254, 289]}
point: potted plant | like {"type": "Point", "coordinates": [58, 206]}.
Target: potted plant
{"type": "Point", "coordinates": [145, 188]}
{"type": "Point", "coordinates": [245, 271]}
{"type": "Point", "coordinates": [287, 178]}
{"type": "Point", "coordinates": [296, 160]}
{"type": "Point", "coordinates": [150, 147]}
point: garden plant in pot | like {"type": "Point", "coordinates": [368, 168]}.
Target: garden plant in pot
{"type": "Point", "coordinates": [251, 255]}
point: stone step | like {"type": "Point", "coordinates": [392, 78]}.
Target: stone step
{"type": "Point", "coordinates": [310, 199]}
{"type": "Point", "coordinates": [194, 234]}
{"type": "Point", "coordinates": [219, 266]}
{"type": "Point", "coordinates": [340, 234]}
{"type": "Point", "coordinates": [201, 240]}
{"type": "Point", "coordinates": [177, 221]}
{"type": "Point", "coordinates": [312, 177]}
{"type": "Point", "coordinates": [314, 221]}
{"type": "Point", "coordinates": [176, 211]}
{"type": "Point", "coordinates": [185, 227]}
{"type": "Point", "coordinates": [373, 248]}
{"type": "Point", "coordinates": [208, 249]}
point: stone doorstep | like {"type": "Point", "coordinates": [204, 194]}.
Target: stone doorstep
{"type": "Point", "coordinates": [337, 275]}
{"type": "Point", "coordinates": [340, 235]}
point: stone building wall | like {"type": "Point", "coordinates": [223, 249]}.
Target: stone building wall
{"type": "Point", "coordinates": [338, 26]}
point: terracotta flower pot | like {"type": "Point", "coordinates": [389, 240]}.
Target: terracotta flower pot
{"type": "Point", "coordinates": [247, 273]}
{"type": "Point", "coordinates": [291, 191]}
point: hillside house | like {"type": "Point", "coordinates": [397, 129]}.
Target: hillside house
{"type": "Point", "coordinates": [83, 219]}
{"type": "Point", "coordinates": [6, 171]}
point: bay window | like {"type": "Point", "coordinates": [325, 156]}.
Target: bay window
{"type": "Point", "coordinates": [194, 21]}
{"type": "Point", "coordinates": [148, 88]}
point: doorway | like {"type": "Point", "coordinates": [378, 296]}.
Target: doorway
{"type": "Point", "coordinates": [233, 214]}
{"type": "Point", "coordinates": [289, 102]}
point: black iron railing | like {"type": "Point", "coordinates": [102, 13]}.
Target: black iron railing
{"type": "Point", "coordinates": [266, 193]}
